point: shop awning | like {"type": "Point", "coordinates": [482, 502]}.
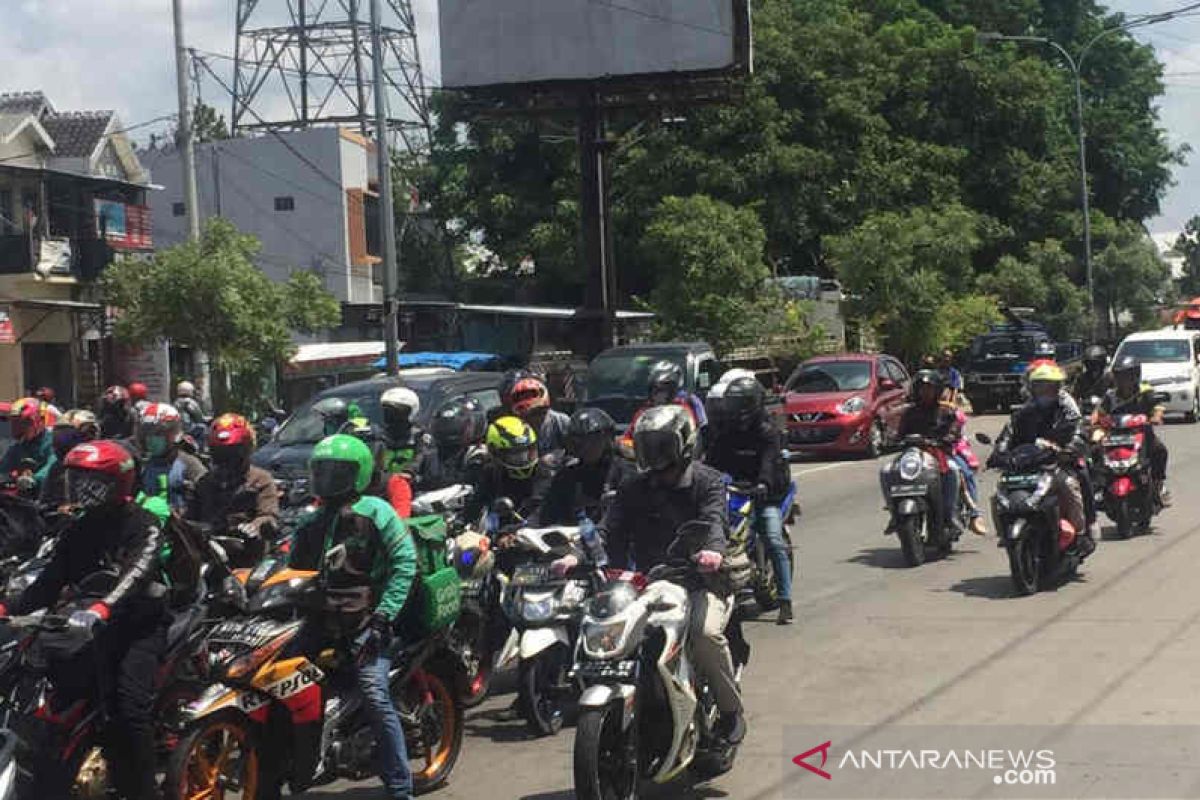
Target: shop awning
{"type": "Point", "coordinates": [333, 356]}
{"type": "Point", "coordinates": [55, 305]}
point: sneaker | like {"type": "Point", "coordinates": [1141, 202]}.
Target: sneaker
{"type": "Point", "coordinates": [979, 527]}
{"type": "Point", "coordinates": [1164, 497]}
{"type": "Point", "coordinates": [731, 729]}
{"type": "Point", "coordinates": [785, 613]}
{"type": "Point", "coordinates": [1086, 544]}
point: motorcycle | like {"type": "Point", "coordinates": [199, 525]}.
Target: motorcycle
{"type": "Point", "coordinates": [256, 694]}
{"type": "Point", "coordinates": [912, 487]}
{"type": "Point", "coordinates": [764, 589]}
{"type": "Point", "coordinates": [8, 765]}
{"type": "Point", "coordinates": [1130, 494]}
{"type": "Point", "coordinates": [645, 713]}
{"type": "Point", "coordinates": [473, 635]}
{"type": "Point", "coordinates": [1042, 547]}
{"type": "Point", "coordinates": [544, 612]}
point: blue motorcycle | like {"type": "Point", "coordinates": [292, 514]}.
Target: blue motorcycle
{"type": "Point", "coordinates": [745, 536]}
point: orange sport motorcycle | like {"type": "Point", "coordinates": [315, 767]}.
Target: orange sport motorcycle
{"type": "Point", "coordinates": [258, 694]}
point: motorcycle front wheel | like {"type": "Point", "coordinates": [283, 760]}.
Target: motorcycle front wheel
{"type": "Point", "coordinates": [1023, 563]}
{"type": "Point", "coordinates": [604, 768]}
{"type": "Point", "coordinates": [540, 699]}
{"type": "Point", "coordinates": [911, 543]}
{"type": "Point", "coordinates": [218, 757]}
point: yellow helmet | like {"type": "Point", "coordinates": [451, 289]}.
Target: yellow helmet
{"type": "Point", "coordinates": [1047, 373]}
{"type": "Point", "coordinates": [513, 443]}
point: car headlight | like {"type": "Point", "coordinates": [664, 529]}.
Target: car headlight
{"type": "Point", "coordinates": [606, 639]}
{"type": "Point", "coordinates": [854, 405]}
{"type": "Point", "coordinates": [538, 607]}
{"type": "Point", "coordinates": [911, 465]}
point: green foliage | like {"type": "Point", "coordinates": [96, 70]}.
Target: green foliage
{"type": "Point", "coordinates": [1188, 244]}
{"type": "Point", "coordinates": [210, 296]}
{"type": "Point", "coordinates": [1131, 279]}
{"type": "Point", "coordinates": [208, 125]}
{"type": "Point", "coordinates": [1038, 279]}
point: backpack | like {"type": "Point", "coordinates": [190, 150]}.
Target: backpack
{"type": "Point", "coordinates": [437, 590]}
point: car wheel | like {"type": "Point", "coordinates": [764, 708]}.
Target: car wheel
{"type": "Point", "coordinates": [1194, 414]}
{"type": "Point", "coordinates": [875, 440]}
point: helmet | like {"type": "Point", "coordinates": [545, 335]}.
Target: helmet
{"type": "Point", "coordinates": [99, 474]}
{"type": "Point", "coordinates": [400, 405]}
{"type": "Point", "coordinates": [927, 377]}
{"type": "Point", "coordinates": [45, 394]}
{"type": "Point", "coordinates": [743, 401]}
{"type": "Point", "coordinates": [509, 381]}
{"type": "Point", "coordinates": [115, 396]}
{"type": "Point", "coordinates": [664, 378]}
{"type": "Point", "coordinates": [664, 437]}
{"type": "Point", "coordinates": [731, 375]}
{"type": "Point", "coordinates": [230, 439]}
{"type": "Point", "coordinates": [334, 411]}
{"type": "Point", "coordinates": [460, 423]}
{"type": "Point", "coordinates": [513, 444]}
{"type": "Point", "coordinates": [1129, 367]}
{"type": "Point", "coordinates": [185, 389]}
{"type": "Point", "coordinates": [528, 395]}
{"type": "Point", "coordinates": [27, 419]}
{"type": "Point", "coordinates": [1047, 373]}
{"type": "Point", "coordinates": [473, 555]}
{"type": "Point", "coordinates": [1095, 354]}
{"type": "Point", "coordinates": [590, 434]}
{"type": "Point", "coordinates": [1044, 349]}
{"type": "Point", "coordinates": [73, 428]}
{"type": "Point", "coordinates": [160, 427]}
{"type": "Point", "coordinates": [83, 419]}
{"type": "Point", "coordinates": [340, 466]}
{"type": "Point", "coordinates": [138, 391]}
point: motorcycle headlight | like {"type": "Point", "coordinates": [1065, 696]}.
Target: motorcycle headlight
{"type": "Point", "coordinates": [911, 465]}
{"type": "Point", "coordinates": [538, 608]}
{"type": "Point", "coordinates": [854, 405]}
{"type": "Point", "coordinates": [606, 639]}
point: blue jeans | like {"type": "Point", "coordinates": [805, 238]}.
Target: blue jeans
{"type": "Point", "coordinates": [393, 753]}
{"type": "Point", "coordinates": [968, 476]}
{"type": "Point", "coordinates": [769, 523]}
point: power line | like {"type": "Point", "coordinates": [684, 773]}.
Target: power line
{"type": "Point", "coordinates": [110, 133]}
{"type": "Point", "coordinates": [659, 17]}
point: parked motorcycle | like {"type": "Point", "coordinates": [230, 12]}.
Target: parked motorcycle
{"type": "Point", "coordinates": [1042, 547]}
{"type": "Point", "coordinates": [1130, 495]}
{"type": "Point", "coordinates": [645, 713]}
{"type": "Point", "coordinates": [764, 588]}
{"type": "Point", "coordinates": [912, 486]}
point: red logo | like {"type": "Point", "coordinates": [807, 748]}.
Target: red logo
{"type": "Point", "coordinates": [823, 749]}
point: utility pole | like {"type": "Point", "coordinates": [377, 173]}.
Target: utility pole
{"type": "Point", "coordinates": [386, 201]}
{"type": "Point", "coordinates": [191, 200]}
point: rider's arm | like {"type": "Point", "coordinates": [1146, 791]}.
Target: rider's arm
{"type": "Point", "coordinates": [308, 541]}
{"type": "Point", "coordinates": [613, 530]}
{"type": "Point", "coordinates": [266, 503]}
{"type": "Point", "coordinates": [400, 557]}
{"type": "Point", "coordinates": [711, 507]}
{"type": "Point", "coordinates": [139, 564]}
{"type": "Point", "coordinates": [770, 452]}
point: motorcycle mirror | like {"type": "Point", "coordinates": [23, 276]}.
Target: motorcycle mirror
{"type": "Point", "coordinates": [983, 438]}
{"type": "Point", "coordinates": [504, 506]}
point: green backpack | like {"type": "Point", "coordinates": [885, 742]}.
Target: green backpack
{"type": "Point", "coordinates": [437, 590]}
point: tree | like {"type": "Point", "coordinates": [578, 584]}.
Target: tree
{"type": "Point", "coordinates": [208, 125]}
{"type": "Point", "coordinates": [210, 296]}
{"type": "Point", "coordinates": [1040, 279]}
{"type": "Point", "coordinates": [1188, 245]}
{"type": "Point", "coordinates": [1133, 284]}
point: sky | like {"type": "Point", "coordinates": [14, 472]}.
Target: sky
{"type": "Point", "coordinates": [118, 54]}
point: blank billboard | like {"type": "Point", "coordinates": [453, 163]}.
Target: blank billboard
{"type": "Point", "coordinates": [497, 42]}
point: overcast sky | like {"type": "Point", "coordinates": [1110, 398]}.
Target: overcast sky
{"type": "Point", "coordinates": [118, 54]}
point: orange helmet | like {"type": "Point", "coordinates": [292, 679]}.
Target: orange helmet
{"type": "Point", "coordinates": [529, 394]}
{"type": "Point", "coordinates": [28, 419]}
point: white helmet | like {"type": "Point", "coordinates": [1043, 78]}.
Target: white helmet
{"type": "Point", "coordinates": [402, 397]}
{"type": "Point", "coordinates": [185, 389]}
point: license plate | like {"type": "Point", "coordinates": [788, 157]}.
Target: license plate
{"type": "Point", "coordinates": [1121, 440]}
{"type": "Point", "coordinates": [472, 588]}
{"type": "Point", "coordinates": [902, 490]}
{"type": "Point", "coordinates": [1019, 481]}
{"type": "Point", "coordinates": [804, 434]}
{"type": "Point", "coordinates": [530, 574]}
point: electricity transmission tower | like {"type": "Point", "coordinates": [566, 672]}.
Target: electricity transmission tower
{"type": "Point", "coordinates": [301, 63]}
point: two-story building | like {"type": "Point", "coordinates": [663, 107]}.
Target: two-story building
{"type": "Point", "coordinates": [72, 199]}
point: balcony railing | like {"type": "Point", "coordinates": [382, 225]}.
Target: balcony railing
{"type": "Point", "coordinates": [88, 257]}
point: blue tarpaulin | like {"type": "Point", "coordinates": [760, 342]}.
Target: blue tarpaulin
{"type": "Point", "coordinates": [457, 361]}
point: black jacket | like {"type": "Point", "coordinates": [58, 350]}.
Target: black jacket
{"type": "Point", "coordinates": [127, 540]}
{"type": "Point", "coordinates": [495, 482]}
{"type": "Point", "coordinates": [1057, 423]}
{"type": "Point", "coordinates": [580, 487]}
{"type": "Point", "coordinates": [641, 523]}
{"type": "Point", "coordinates": [938, 422]}
{"type": "Point", "coordinates": [753, 456]}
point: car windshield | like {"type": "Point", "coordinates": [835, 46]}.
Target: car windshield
{"type": "Point", "coordinates": [1162, 351]}
{"type": "Point", "coordinates": [831, 376]}
{"type": "Point", "coordinates": [1004, 347]}
{"type": "Point", "coordinates": [625, 374]}
{"type": "Point", "coordinates": [307, 426]}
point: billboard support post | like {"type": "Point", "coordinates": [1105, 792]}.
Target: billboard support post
{"type": "Point", "coordinates": [594, 222]}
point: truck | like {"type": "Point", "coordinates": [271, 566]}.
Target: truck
{"type": "Point", "coordinates": [995, 364]}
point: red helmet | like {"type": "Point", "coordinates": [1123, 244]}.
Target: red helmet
{"type": "Point", "coordinates": [230, 438]}
{"type": "Point", "coordinates": [529, 394]}
{"type": "Point", "coordinates": [27, 419]}
{"type": "Point", "coordinates": [98, 474]}
{"type": "Point", "coordinates": [138, 391]}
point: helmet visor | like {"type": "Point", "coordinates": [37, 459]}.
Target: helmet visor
{"type": "Point", "coordinates": [657, 450]}
{"type": "Point", "coordinates": [520, 461]}
{"type": "Point", "coordinates": [590, 447]}
{"type": "Point", "coordinates": [334, 478]}
{"type": "Point", "coordinates": [397, 417]}
{"type": "Point", "coordinates": [87, 488]}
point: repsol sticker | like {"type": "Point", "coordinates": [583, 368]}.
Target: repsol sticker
{"type": "Point", "coordinates": [297, 682]}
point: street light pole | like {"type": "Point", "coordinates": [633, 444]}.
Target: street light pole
{"type": "Point", "coordinates": [386, 210]}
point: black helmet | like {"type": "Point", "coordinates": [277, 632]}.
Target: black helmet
{"type": "Point", "coordinates": [590, 435]}
{"type": "Point", "coordinates": [1045, 349]}
{"type": "Point", "coordinates": [744, 401]}
{"type": "Point", "coordinates": [927, 377]}
{"type": "Point", "coordinates": [664, 437]}
{"type": "Point", "coordinates": [460, 423]}
{"type": "Point", "coordinates": [1095, 354]}
{"type": "Point", "coordinates": [1128, 366]}
{"type": "Point", "coordinates": [665, 377]}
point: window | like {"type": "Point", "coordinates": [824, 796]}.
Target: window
{"type": "Point", "coordinates": [895, 372]}
{"type": "Point", "coordinates": [178, 209]}
{"type": "Point", "coordinates": [1156, 351]}
{"type": "Point", "coordinates": [7, 221]}
{"type": "Point", "coordinates": [286, 203]}
{"type": "Point", "coordinates": [707, 375]}
{"type": "Point", "coordinates": [487, 398]}
{"type": "Point", "coordinates": [831, 376]}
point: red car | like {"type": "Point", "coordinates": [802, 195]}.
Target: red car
{"type": "Point", "coordinates": [845, 404]}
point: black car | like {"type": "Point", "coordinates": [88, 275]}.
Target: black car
{"type": "Point", "coordinates": [286, 455]}
{"type": "Point", "coordinates": [617, 378]}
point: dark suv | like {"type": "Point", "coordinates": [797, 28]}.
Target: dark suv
{"type": "Point", "coordinates": [618, 378]}
{"type": "Point", "coordinates": [286, 455]}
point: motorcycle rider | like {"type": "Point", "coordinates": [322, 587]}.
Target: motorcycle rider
{"type": "Point", "coordinates": [665, 386]}
{"type": "Point", "coordinates": [1093, 381]}
{"type": "Point", "coordinates": [139, 397]}
{"type": "Point", "coordinates": [670, 489]}
{"type": "Point", "coordinates": [168, 472]}
{"type": "Point", "coordinates": [117, 419]}
{"type": "Point", "coordinates": [1130, 396]}
{"type": "Point", "coordinates": [512, 470]}
{"type": "Point", "coordinates": [73, 428]}
{"type": "Point", "coordinates": [235, 495]}
{"type": "Point", "coordinates": [590, 471]}
{"type": "Point", "coordinates": [31, 454]}
{"type": "Point", "coordinates": [1046, 419]}
{"type": "Point", "coordinates": [109, 530]}
{"type": "Point", "coordinates": [368, 562]}
{"type": "Point", "coordinates": [458, 429]}
{"type": "Point", "coordinates": [747, 445]}
{"type": "Point", "coordinates": [530, 400]}
{"type": "Point", "coordinates": [408, 458]}
{"type": "Point", "coordinates": [47, 395]}
{"type": "Point", "coordinates": [189, 407]}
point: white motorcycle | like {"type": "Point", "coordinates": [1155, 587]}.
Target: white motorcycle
{"type": "Point", "coordinates": [645, 713]}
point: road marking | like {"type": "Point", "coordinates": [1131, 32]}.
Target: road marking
{"type": "Point", "coordinates": [824, 467]}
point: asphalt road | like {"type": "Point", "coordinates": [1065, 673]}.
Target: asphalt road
{"type": "Point", "coordinates": [880, 645]}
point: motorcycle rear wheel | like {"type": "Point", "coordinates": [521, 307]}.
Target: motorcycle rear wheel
{"type": "Point", "coordinates": [911, 543]}
{"type": "Point", "coordinates": [602, 768]}
{"type": "Point", "coordinates": [438, 741]}
{"type": "Point", "coordinates": [1124, 520]}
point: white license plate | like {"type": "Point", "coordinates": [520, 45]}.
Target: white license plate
{"type": "Point", "coordinates": [907, 491]}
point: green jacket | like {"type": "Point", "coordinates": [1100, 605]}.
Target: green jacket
{"type": "Point", "coordinates": [380, 554]}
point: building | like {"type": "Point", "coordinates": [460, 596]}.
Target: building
{"type": "Point", "coordinates": [72, 199]}
{"type": "Point", "coordinates": [309, 196]}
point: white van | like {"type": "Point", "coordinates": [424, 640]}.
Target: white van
{"type": "Point", "coordinates": [1169, 364]}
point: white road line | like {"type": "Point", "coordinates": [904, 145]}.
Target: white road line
{"type": "Point", "coordinates": [824, 467]}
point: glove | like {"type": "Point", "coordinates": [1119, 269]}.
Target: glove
{"type": "Point", "coordinates": [87, 621]}
{"type": "Point", "coordinates": [26, 482]}
{"type": "Point", "coordinates": [708, 560]}
{"type": "Point", "coordinates": [374, 639]}
{"type": "Point", "coordinates": [561, 566]}
{"type": "Point", "coordinates": [248, 530]}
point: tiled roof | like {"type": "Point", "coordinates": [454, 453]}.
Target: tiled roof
{"type": "Point", "coordinates": [76, 135]}
{"type": "Point", "coordinates": [24, 103]}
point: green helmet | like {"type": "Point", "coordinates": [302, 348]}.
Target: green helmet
{"type": "Point", "coordinates": [340, 465]}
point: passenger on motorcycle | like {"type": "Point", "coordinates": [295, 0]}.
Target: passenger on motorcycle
{"type": "Point", "coordinates": [1130, 396]}
{"type": "Point", "coordinates": [590, 471]}
{"type": "Point", "coordinates": [665, 387]}
{"type": "Point", "coordinates": [458, 430]}
{"type": "Point", "coordinates": [746, 444]}
{"type": "Point", "coordinates": [117, 419]}
{"type": "Point", "coordinates": [368, 563]}
{"type": "Point", "coordinates": [530, 401]}
{"type": "Point", "coordinates": [1094, 380]}
{"type": "Point", "coordinates": [168, 473]}
{"type": "Point", "coordinates": [513, 470]}
{"type": "Point", "coordinates": [31, 454]}
{"type": "Point", "coordinates": [671, 489]}
{"type": "Point", "coordinates": [236, 496]}
{"type": "Point", "coordinates": [407, 457]}
{"type": "Point", "coordinates": [109, 531]}
{"type": "Point", "coordinates": [1046, 419]}
{"type": "Point", "coordinates": [73, 428]}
